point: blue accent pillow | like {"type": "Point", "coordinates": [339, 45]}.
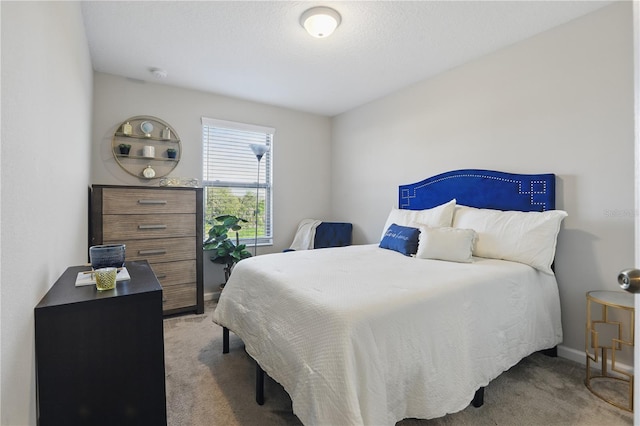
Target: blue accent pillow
{"type": "Point", "coordinates": [402, 239]}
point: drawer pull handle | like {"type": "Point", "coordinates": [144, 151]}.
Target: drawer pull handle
{"type": "Point", "coordinates": [147, 252]}
{"type": "Point", "coordinates": [161, 276]}
{"type": "Point", "coordinates": [152, 226]}
{"type": "Point", "coordinates": [152, 202]}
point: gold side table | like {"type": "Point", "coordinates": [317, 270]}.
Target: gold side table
{"type": "Point", "coordinates": [605, 337]}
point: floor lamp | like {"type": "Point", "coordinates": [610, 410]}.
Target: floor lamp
{"type": "Point", "coordinates": [259, 151]}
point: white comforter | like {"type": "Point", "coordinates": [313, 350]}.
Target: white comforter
{"type": "Point", "coordinates": [363, 335]}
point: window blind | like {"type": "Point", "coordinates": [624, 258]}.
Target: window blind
{"type": "Point", "coordinates": [229, 160]}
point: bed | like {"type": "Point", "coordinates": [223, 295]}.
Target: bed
{"type": "Point", "coordinates": [369, 335]}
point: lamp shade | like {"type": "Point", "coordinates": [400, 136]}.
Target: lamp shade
{"type": "Point", "coordinates": [320, 21]}
{"type": "Point", "coordinates": [259, 150]}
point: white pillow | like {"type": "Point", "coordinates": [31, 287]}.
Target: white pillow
{"type": "Point", "coordinates": [525, 237]}
{"type": "Point", "coordinates": [437, 216]}
{"type": "Point", "coordinates": [446, 243]}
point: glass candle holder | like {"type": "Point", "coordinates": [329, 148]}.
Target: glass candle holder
{"type": "Point", "coordinates": [105, 278]}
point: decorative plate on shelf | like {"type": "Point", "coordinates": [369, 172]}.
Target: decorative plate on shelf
{"type": "Point", "coordinates": [148, 172]}
{"type": "Point", "coordinates": [146, 127]}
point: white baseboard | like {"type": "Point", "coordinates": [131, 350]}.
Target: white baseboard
{"type": "Point", "coordinates": [581, 357]}
{"type": "Point", "coordinates": [572, 354]}
{"type": "Point", "coordinates": [214, 295]}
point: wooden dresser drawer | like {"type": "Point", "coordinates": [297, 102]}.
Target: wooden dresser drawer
{"type": "Point", "coordinates": [178, 296]}
{"type": "Point", "coordinates": [136, 227]}
{"type": "Point", "coordinates": [172, 273]}
{"type": "Point", "coordinates": [160, 249]}
{"type": "Point", "coordinates": [147, 201]}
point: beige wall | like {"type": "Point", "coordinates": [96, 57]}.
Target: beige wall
{"type": "Point", "coordinates": [301, 152]}
{"type": "Point", "coordinates": [560, 102]}
{"type": "Point", "coordinates": [46, 120]}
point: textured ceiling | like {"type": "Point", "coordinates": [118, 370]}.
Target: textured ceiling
{"type": "Point", "coordinates": [258, 50]}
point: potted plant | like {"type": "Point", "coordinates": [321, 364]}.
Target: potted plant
{"type": "Point", "coordinates": [124, 148]}
{"type": "Point", "coordinates": [171, 153]}
{"type": "Point", "coordinates": [223, 249]}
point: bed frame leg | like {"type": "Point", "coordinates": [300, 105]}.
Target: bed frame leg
{"type": "Point", "coordinates": [259, 384]}
{"type": "Point", "coordinates": [225, 340]}
{"type": "Point", "coordinates": [478, 398]}
{"type": "Point", "coordinates": [551, 352]}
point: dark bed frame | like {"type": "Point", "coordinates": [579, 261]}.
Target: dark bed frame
{"type": "Point", "coordinates": [470, 187]}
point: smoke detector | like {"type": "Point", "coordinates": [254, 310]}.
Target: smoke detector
{"type": "Point", "coordinates": [158, 73]}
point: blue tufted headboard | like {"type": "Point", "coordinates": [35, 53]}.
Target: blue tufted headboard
{"type": "Point", "coordinates": [483, 189]}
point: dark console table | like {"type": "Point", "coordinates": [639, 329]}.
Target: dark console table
{"type": "Point", "coordinates": [100, 355]}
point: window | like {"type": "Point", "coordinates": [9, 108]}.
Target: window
{"type": "Point", "coordinates": [230, 176]}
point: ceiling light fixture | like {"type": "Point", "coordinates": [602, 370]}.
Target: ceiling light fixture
{"type": "Point", "coordinates": [158, 73]}
{"type": "Point", "coordinates": [320, 21]}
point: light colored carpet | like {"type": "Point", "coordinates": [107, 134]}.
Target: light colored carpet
{"type": "Point", "coordinates": [205, 387]}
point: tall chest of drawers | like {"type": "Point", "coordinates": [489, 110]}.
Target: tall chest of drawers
{"type": "Point", "coordinates": [162, 225]}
